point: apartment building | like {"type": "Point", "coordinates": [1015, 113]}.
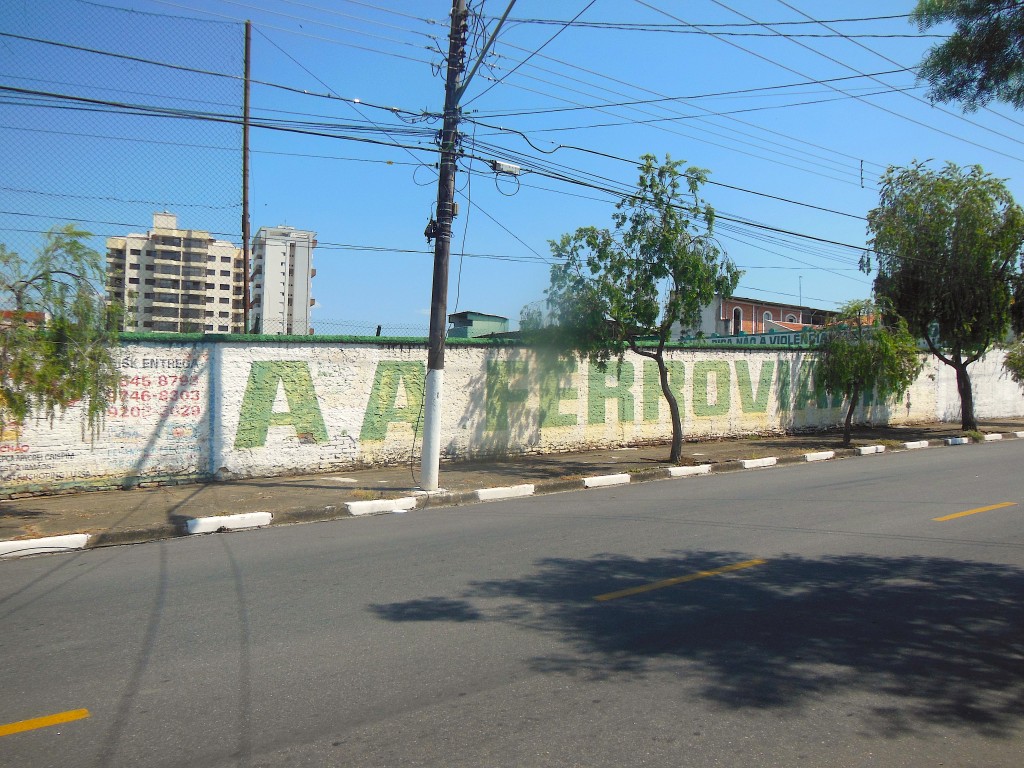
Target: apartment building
{"type": "Point", "coordinates": [739, 315]}
{"type": "Point", "coordinates": [282, 280]}
{"type": "Point", "coordinates": [176, 280]}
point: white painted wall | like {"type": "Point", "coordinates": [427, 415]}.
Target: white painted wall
{"type": "Point", "coordinates": [251, 409]}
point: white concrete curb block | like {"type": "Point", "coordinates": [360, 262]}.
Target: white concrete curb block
{"type": "Point", "coordinates": [820, 456]}
{"type": "Point", "coordinates": [916, 444]}
{"type": "Point", "coordinates": [993, 437]}
{"type": "Point", "coordinates": [700, 469]}
{"type": "Point", "coordinates": [43, 545]}
{"type": "Point", "coordinates": [228, 522]}
{"type": "Point", "coordinates": [864, 450]}
{"type": "Point", "coordinates": [768, 461]}
{"type": "Point", "coordinates": [957, 440]}
{"type": "Point", "coordinates": [602, 481]}
{"type": "Point", "coordinates": [381, 506]}
{"type": "Point", "coordinates": [507, 492]}
{"type": "Point", "coordinates": [1018, 434]}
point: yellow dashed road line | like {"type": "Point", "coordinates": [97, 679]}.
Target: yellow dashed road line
{"type": "Point", "coordinates": [974, 511]}
{"type": "Point", "coordinates": [43, 722]}
{"type": "Point", "coordinates": [678, 580]}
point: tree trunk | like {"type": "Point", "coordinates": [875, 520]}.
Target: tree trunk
{"type": "Point", "coordinates": [673, 409]}
{"type": "Point", "coordinates": [849, 415]}
{"type": "Point", "coordinates": [963, 384]}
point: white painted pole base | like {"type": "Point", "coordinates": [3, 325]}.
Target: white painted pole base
{"type": "Point", "coordinates": [430, 460]}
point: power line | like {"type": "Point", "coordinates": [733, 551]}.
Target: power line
{"type": "Point", "coordinates": [709, 181]}
{"type": "Point", "coordinates": [800, 74]}
{"type": "Point", "coordinates": [353, 46]}
{"type": "Point", "coordinates": [193, 70]}
{"type": "Point", "coordinates": [564, 27]}
{"type": "Point", "coordinates": [298, 127]}
{"type": "Point", "coordinates": [663, 128]}
{"type": "Point", "coordinates": [803, 158]}
{"type": "Point", "coordinates": [325, 85]}
{"type": "Point", "coordinates": [744, 222]}
{"type": "Point", "coordinates": [426, 252]}
{"type": "Point", "coordinates": [734, 225]}
{"type": "Point", "coordinates": [384, 9]}
{"type": "Point", "coordinates": [851, 174]}
{"type": "Point", "coordinates": [151, 13]}
{"type": "Point", "coordinates": [663, 99]}
{"type": "Point", "coordinates": [124, 56]}
{"type": "Point", "coordinates": [674, 118]}
{"type": "Point", "coordinates": [108, 198]}
{"type": "Point", "coordinates": [783, 293]}
{"type": "Point", "coordinates": [333, 12]}
{"type": "Point", "coordinates": [150, 94]}
{"type": "Point", "coordinates": [659, 27]}
{"type": "Point", "coordinates": [918, 99]}
{"type": "Point", "coordinates": [308, 20]}
{"type": "Point", "coordinates": [813, 35]}
{"type": "Point", "coordinates": [321, 245]}
{"type": "Point", "coordinates": [95, 221]}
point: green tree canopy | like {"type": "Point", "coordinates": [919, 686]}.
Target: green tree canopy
{"type": "Point", "coordinates": [57, 334]}
{"type": "Point", "coordinates": [859, 354]}
{"type": "Point", "coordinates": [947, 245]}
{"type": "Point", "coordinates": [1014, 362]}
{"type": "Point", "coordinates": [612, 290]}
{"type": "Point", "coordinates": [984, 57]}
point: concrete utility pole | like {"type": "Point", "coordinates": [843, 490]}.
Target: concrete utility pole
{"type": "Point", "coordinates": [431, 457]}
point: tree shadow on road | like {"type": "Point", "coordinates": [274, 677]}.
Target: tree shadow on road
{"type": "Point", "coordinates": [943, 638]}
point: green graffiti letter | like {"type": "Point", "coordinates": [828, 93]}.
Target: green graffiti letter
{"type": "Point", "coordinates": [599, 393]}
{"type": "Point", "coordinates": [749, 401]}
{"type": "Point", "coordinates": [868, 398]}
{"type": "Point", "coordinates": [805, 393]}
{"type": "Point", "coordinates": [266, 377]}
{"type": "Point", "coordinates": [723, 382]}
{"type": "Point", "coordinates": [552, 393]}
{"type": "Point", "coordinates": [382, 408]}
{"type": "Point", "coordinates": [804, 385]}
{"type": "Point", "coordinates": [499, 394]}
{"type": "Point", "coordinates": [785, 386]}
{"type": "Point", "coordinates": [653, 396]}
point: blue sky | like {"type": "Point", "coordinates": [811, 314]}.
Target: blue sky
{"type": "Point", "coordinates": [740, 100]}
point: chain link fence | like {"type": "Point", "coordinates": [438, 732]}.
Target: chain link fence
{"type": "Point", "coordinates": [363, 328]}
{"type": "Point", "coordinates": [110, 115]}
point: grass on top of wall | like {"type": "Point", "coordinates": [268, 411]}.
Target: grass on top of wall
{"type": "Point", "coordinates": [406, 341]}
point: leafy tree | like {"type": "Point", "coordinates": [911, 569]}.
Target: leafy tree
{"type": "Point", "coordinates": [947, 244]}
{"type": "Point", "coordinates": [860, 354]}
{"type": "Point", "coordinates": [624, 289]}
{"type": "Point", "coordinates": [984, 57]}
{"type": "Point", "coordinates": [1014, 362]}
{"type": "Point", "coordinates": [57, 334]}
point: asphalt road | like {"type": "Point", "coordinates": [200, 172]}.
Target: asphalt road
{"type": "Point", "coordinates": [804, 615]}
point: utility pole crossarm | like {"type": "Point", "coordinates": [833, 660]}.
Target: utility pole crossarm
{"type": "Point", "coordinates": [486, 49]}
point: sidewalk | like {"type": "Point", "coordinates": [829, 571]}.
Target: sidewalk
{"type": "Point", "coordinates": [122, 517]}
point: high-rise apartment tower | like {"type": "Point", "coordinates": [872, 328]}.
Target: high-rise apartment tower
{"type": "Point", "coordinates": [176, 280]}
{"type": "Point", "coordinates": [282, 280]}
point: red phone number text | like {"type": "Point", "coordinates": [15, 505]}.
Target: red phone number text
{"type": "Point", "coordinates": [163, 380]}
{"type": "Point", "coordinates": [144, 411]}
{"type": "Point", "coordinates": [163, 396]}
